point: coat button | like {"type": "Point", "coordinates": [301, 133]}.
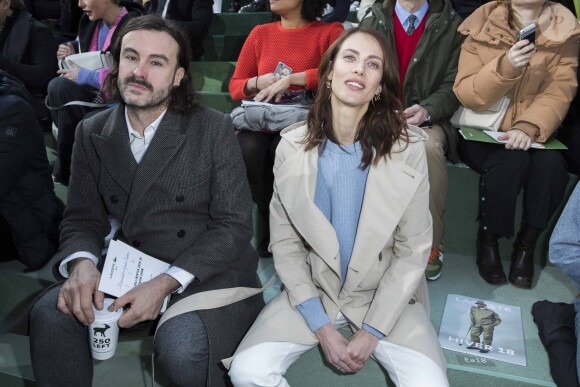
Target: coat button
{"type": "Point", "coordinates": [181, 233]}
{"type": "Point", "coordinates": [179, 198]}
{"type": "Point", "coordinates": [114, 199]}
{"type": "Point", "coordinates": [136, 244]}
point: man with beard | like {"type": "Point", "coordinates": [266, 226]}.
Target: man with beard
{"type": "Point", "coordinates": [172, 172]}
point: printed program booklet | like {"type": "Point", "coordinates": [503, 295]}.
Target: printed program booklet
{"type": "Point", "coordinates": [483, 328]}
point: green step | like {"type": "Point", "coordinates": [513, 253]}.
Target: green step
{"type": "Point", "coordinates": [222, 48]}
{"type": "Point", "coordinates": [219, 101]}
{"type": "Point", "coordinates": [211, 76]}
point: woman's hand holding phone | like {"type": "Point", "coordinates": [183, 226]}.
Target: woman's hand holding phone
{"type": "Point", "coordinates": [520, 53]}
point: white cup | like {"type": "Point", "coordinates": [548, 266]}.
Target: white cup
{"type": "Point", "coordinates": [104, 331]}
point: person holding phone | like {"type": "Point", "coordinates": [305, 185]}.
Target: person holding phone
{"type": "Point", "coordinates": [298, 40]}
{"type": "Point", "coordinates": [538, 74]}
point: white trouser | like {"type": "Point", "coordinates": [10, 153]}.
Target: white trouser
{"type": "Point", "coordinates": [265, 364]}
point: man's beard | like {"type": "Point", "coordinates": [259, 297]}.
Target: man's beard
{"type": "Point", "coordinates": [156, 99]}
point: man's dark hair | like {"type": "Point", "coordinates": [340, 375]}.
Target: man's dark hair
{"type": "Point", "coordinates": [182, 99]}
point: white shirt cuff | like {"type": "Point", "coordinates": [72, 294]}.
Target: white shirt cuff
{"type": "Point", "coordinates": [81, 254]}
{"type": "Point", "coordinates": [182, 276]}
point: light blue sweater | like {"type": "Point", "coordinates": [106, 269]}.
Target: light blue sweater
{"type": "Point", "coordinates": [340, 187]}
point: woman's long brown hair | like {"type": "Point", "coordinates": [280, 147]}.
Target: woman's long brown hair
{"type": "Point", "coordinates": [381, 126]}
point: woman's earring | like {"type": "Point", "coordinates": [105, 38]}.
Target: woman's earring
{"type": "Point", "coordinates": [377, 97]}
{"type": "Point", "coordinates": [328, 84]}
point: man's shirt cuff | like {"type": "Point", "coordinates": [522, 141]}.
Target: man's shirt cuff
{"type": "Point", "coordinates": [63, 269]}
{"type": "Point", "coordinates": [181, 276]}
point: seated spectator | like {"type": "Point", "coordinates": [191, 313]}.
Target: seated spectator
{"type": "Point", "coordinates": [100, 21]}
{"type": "Point", "coordinates": [27, 50]}
{"type": "Point", "coordinates": [565, 251]}
{"type": "Point", "coordinates": [540, 79]}
{"type": "Point", "coordinates": [27, 200]}
{"type": "Point", "coordinates": [171, 169]}
{"type": "Point", "coordinates": [299, 41]}
{"type": "Point", "coordinates": [351, 231]}
{"type": "Point", "coordinates": [194, 16]}
{"type": "Point", "coordinates": [427, 61]}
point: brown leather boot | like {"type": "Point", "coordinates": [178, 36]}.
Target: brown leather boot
{"type": "Point", "coordinates": [488, 259]}
{"type": "Point", "coordinates": [522, 266]}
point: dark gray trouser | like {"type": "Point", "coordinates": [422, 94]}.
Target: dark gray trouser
{"type": "Point", "coordinates": [61, 355]}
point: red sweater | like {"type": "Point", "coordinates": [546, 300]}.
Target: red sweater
{"type": "Point", "coordinates": [301, 49]}
{"type": "Point", "coordinates": [406, 45]}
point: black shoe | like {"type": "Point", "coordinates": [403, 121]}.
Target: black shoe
{"type": "Point", "coordinates": [522, 266]}
{"type": "Point", "coordinates": [484, 350]}
{"type": "Point", "coordinates": [256, 6]}
{"type": "Point", "coordinates": [262, 249]}
{"type": "Point", "coordinates": [488, 259]}
{"type": "Point", "coordinates": [472, 347]}
{"type": "Point", "coordinates": [234, 7]}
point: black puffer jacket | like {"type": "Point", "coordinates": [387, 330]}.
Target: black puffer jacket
{"type": "Point", "coordinates": [27, 199]}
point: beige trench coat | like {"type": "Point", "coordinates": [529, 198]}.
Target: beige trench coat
{"type": "Point", "coordinates": [385, 284]}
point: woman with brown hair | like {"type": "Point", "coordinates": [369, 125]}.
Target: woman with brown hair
{"type": "Point", "coordinates": [539, 77]}
{"type": "Point", "coordinates": [350, 231]}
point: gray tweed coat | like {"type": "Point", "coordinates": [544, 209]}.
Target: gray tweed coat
{"type": "Point", "coordinates": [187, 203]}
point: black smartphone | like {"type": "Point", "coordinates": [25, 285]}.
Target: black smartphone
{"type": "Point", "coordinates": [529, 33]}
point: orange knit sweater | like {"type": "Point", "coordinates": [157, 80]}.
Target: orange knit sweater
{"type": "Point", "coordinates": [301, 49]}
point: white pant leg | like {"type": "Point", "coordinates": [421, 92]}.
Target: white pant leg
{"type": "Point", "coordinates": [409, 368]}
{"type": "Point", "coordinates": [265, 364]}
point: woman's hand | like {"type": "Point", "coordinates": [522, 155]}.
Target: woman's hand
{"type": "Point", "coordinates": [516, 140]}
{"type": "Point", "coordinates": [275, 90]}
{"type": "Point", "coordinates": [72, 73]}
{"type": "Point", "coordinates": [335, 349]}
{"type": "Point", "coordinates": [64, 50]}
{"type": "Point", "coordinates": [520, 53]}
{"type": "Point", "coordinates": [266, 80]}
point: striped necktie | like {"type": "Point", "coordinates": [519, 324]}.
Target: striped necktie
{"type": "Point", "coordinates": [411, 28]}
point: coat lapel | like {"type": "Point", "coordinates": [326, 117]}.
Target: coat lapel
{"type": "Point", "coordinates": [165, 144]}
{"type": "Point", "coordinates": [297, 196]}
{"type": "Point", "coordinates": [379, 217]}
{"type": "Point", "coordinates": [114, 151]}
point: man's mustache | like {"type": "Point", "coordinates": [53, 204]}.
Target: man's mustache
{"type": "Point", "coordinates": [133, 79]}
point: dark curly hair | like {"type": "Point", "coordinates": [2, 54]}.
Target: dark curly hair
{"type": "Point", "coordinates": [310, 11]}
{"type": "Point", "coordinates": [182, 99]}
{"type": "Point", "coordinates": [383, 123]}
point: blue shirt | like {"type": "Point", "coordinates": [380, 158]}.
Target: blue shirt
{"type": "Point", "coordinates": [403, 14]}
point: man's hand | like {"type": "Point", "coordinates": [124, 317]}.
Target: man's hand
{"type": "Point", "coordinates": [76, 294]}
{"type": "Point", "coordinates": [516, 140]}
{"type": "Point", "coordinates": [361, 345]}
{"type": "Point", "coordinates": [145, 300]}
{"type": "Point", "coordinates": [416, 114]}
{"type": "Point", "coordinates": [334, 346]}
{"type": "Point", "coordinates": [72, 73]}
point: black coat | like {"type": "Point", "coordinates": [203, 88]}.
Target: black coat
{"type": "Point", "coordinates": [27, 199]}
{"type": "Point", "coordinates": [28, 52]}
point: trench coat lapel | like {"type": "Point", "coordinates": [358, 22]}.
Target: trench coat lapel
{"type": "Point", "coordinates": [379, 217]}
{"type": "Point", "coordinates": [112, 147]}
{"type": "Point", "coordinates": [296, 183]}
{"type": "Point", "coordinates": [167, 141]}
